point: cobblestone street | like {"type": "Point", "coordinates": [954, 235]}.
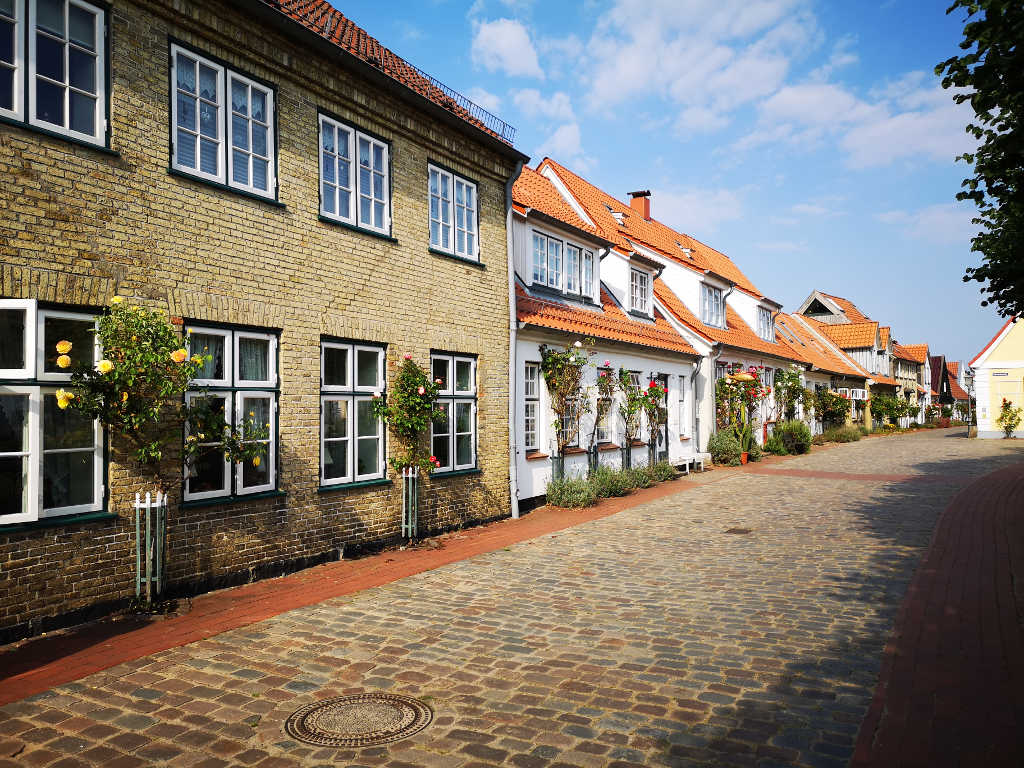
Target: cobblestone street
{"type": "Point", "coordinates": [654, 636]}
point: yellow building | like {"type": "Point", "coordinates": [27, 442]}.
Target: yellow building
{"type": "Point", "coordinates": [998, 375]}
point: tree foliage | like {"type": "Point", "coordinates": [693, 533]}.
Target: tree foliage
{"type": "Point", "coordinates": [408, 412]}
{"type": "Point", "coordinates": [563, 371]}
{"type": "Point", "coordinates": [990, 73]}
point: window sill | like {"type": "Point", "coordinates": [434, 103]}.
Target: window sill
{"type": "Point", "coordinates": [227, 188]}
{"type": "Point", "coordinates": [56, 522]}
{"type": "Point", "coordinates": [101, 148]}
{"type": "Point", "coordinates": [463, 259]}
{"type": "Point", "coordinates": [640, 315]}
{"type": "Point", "coordinates": [573, 450]}
{"type": "Point", "coordinates": [535, 455]}
{"type": "Point", "coordinates": [607, 447]}
{"type": "Point", "coordinates": [683, 439]}
{"type": "Point", "coordinates": [223, 501]}
{"type": "Point", "coordinates": [545, 290]}
{"type": "Point", "coordinates": [360, 484]}
{"type": "Point", "coordinates": [357, 228]}
{"type": "Point", "coordinates": [638, 444]}
{"type": "Point", "coordinates": [457, 472]}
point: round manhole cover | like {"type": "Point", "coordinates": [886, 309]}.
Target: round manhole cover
{"type": "Point", "coordinates": [363, 720]}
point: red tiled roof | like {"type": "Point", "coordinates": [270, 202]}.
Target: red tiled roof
{"type": "Point", "coordinates": [904, 353]}
{"type": "Point", "coordinates": [812, 349]}
{"type": "Point", "coordinates": [608, 323]}
{"type": "Point", "coordinates": [883, 334]}
{"type": "Point", "coordinates": [853, 314]}
{"type": "Point", "coordinates": [916, 352]}
{"type": "Point", "coordinates": [850, 335]}
{"type": "Point", "coordinates": [737, 334]}
{"type": "Point", "coordinates": [651, 233]}
{"type": "Point", "coordinates": [880, 379]}
{"type": "Point", "coordinates": [532, 190]}
{"type": "Point", "coordinates": [955, 389]}
{"type": "Point", "coordinates": [331, 24]}
{"type": "Point", "coordinates": [954, 369]}
{"type": "Point", "coordinates": [993, 341]}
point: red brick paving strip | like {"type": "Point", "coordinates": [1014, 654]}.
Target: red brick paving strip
{"type": "Point", "coordinates": [951, 687]}
{"type": "Point", "coordinates": [228, 609]}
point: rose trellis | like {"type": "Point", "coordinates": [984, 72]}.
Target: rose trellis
{"type": "Point", "coordinates": [564, 372]}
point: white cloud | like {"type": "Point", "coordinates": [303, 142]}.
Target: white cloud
{"type": "Point", "coordinates": [842, 56]}
{"type": "Point", "coordinates": [697, 212]}
{"type": "Point", "coordinates": [941, 224]}
{"type": "Point", "coordinates": [504, 45]}
{"type": "Point", "coordinates": [566, 146]}
{"type": "Point", "coordinates": [484, 98]}
{"type": "Point", "coordinates": [530, 102]}
{"type": "Point", "coordinates": [810, 209]}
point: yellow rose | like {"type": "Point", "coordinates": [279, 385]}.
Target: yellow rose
{"type": "Point", "coordinates": [104, 366]}
{"type": "Point", "coordinates": [63, 361]}
{"type": "Point", "coordinates": [255, 461]}
{"type": "Point", "coordinates": [62, 403]}
{"type": "Point", "coordinates": [196, 359]}
{"type": "Point", "coordinates": [63, 347]}
{"type": "Point", "coordinates": [179, 355]}
{"type": "Point", "coordinates": [116, 300]}
{"type": "Point", "coordinates": [124, 397]}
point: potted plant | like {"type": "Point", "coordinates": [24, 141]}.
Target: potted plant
{"type": "Point", "coordinates": [746, 437]}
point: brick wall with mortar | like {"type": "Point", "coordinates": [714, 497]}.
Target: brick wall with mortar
{"type": "Point", "coordinates": [81, 226]}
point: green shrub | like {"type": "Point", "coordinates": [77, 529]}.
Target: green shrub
{"type": "Point", "coordinates": [863, 430]}
{"type": "Point", "coordinates": [754, 454]}
{"type": "Point", "coordinates": [795, 436]}
{"type": "Point", "coordinates": [570, 492]}
{"type": "Point", "coordinates": [640, 477]}
{"type": "Point", "coordinates": [724, 449]}
{"type": "Point", "coordinates": [819, 439]}
{"type": "Point", "coordinates": [608, 482]}
{"type": "Point", "coordinates": [663, 471]}
{"type": "Point", "coordinates": [844, 434]}
{"type": "Point", "coordinates": [914, 425]}
{"type": "Point", "coordinates": [774, 445]}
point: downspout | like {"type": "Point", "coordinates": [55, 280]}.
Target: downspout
{"type": "Point", "coordinates": [513, 447]}
{"type": "Point", "coordinates": [695, 388]}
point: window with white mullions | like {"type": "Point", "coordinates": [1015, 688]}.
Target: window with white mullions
{"type": "Point", "coordinates": [639, 291]}
{"type": "Point", "coordinates": [210, 473]}
{"type": "Point", "coordinates": [373, 184]}
{"type": "Point", "coordinates": [465, 219]}
{"type": "Point", "coordinates": [256, 409]}
{"type": "Point", "coordinates": [712, 306]}
{"type": "Point", "coordinates": [351, 435]}
{"type": "Point", "coordinates": [198, 140]}
{"type": "Point", "coordinates": [251, 138]}
{"type": "Point", "coordinates": [19, 442]}
{"type": "Point", "coordinates": [12, 58]}
{"type": "Point", "coordinates": [440, 209]}
{"type": "Point", "coordinates": [453, 436]}
{"type": "Point", "coordinates": [587, 280]}
{"type": "Point", "coordinates": [572, 269]}
{"type": "Point", "coordinates": [337, 144]}
{"type": "Point", "coordinates": [66, 68]}
{"type": "Point", "coordinates": [54, 326]}
{"type": "Point", "coordinates": [531, 397]}
{"type": "Point", "coordinates": [540, 259]}
{"type": "Point", "coordinates": [554, 263]}
{"type": "Point", "coordinates": [765, 326]}
{"type": "Point", "coordinates": [453, 225]}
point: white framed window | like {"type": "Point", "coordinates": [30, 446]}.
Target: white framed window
{"type": "Point", "coordinates": [540, 259]}
{"type": "Point", "coordinates": [712, 306]}
{"type": "Point", "coordinates": [554, 263]}
{"type": "Point", "coordinates": [66, 67]}
{"type": "Point", "coordinates": [54, 326]}
{"type": "Point", "coordinates": [531, 408]}
{"type": "Point", "coordinates": [222, 124]}
{"type": "Point", "coordinates": [51, 459]}
{"type": "Point", "coordinates": [604, 424]}
{"type": "Point", "coordinates": [568, 424]}
{"type": "Point", "coordinates": [573, 261]}
{"type": "Point", "coordinates": [453, 213]}
{"type": "Point", "coordinates": [681, 407]}
{"type": "Point", "coordinates": [640, 291]}
{"type": "Point", "coordinates": [12, 58]}
{"type": "Point", "coordinates": [351, 436]}
{"type": "Point", "coordinates": [453, 437]}
{"type": "Point", "coordinates": [239, 383]}
{"type": "Point", "coordinates": [765, 324]}
{"type": "Point", "coordinates": [587, 279]}
{"type": "Point", "coordinates": [337, 185]}
{"type": "Point", "coordinates": [373, 183]}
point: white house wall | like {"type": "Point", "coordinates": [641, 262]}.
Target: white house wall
{"type": "Point", "coordinates": [534, 475]}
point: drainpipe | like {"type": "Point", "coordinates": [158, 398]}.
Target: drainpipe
{"type": "Point", "coordinates": [513, 369]}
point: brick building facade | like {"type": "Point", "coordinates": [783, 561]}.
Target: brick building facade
{"type": "Point", "coordinates": [245, 239]}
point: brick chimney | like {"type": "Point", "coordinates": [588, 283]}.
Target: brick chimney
{"type": "Point", "coordinates": [640, 202]}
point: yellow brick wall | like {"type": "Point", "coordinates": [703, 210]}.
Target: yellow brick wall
{"type": "Point", "coordinates": [79, 226]}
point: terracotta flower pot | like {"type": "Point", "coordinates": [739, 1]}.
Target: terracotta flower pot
{"type": "Point", "coordinates": [744, 457]}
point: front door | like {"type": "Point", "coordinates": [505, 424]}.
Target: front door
{"type": "Point", "coordinates": [662, 454]}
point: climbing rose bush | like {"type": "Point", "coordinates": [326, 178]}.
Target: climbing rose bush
{"type": "Point", "coordinates": [408, 412]}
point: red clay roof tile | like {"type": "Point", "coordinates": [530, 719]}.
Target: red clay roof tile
{"type": "Point", "coordinates": [533, 190]}
{"type": "Point", "coordinates": [815, 351]}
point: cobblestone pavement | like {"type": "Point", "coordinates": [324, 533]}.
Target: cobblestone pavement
{"type": "Point", "coordinates": [652, 637]}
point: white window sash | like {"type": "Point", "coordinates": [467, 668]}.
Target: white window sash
{"type": "Point", "coordinates": [222, 106]}
{"type": "Point", "coordinates": [368, 193]}
{"type": "Point", "coordinates": [447, 360]}
{"type": "Point", "coordinates": [378, 387]}
{"type": "Point", "coordinates": [472, 433]}
{"type": "Point", "coordinates": [226, 469]}
{"type": "Point", "coordinates": [587, 274]}
{"type": "Point", "coordinates": [30, 329]}
{"type": "Point", "coordinates": [229, 356]}
{"type": "Point", "coordinates": [17, 112]}
{"type": "Point", "coordinates": [97, 467]}
{"type": "Point", "coordinates": [324, 440]}
{"type": "Point", "coordinates": [447, 435]}
{"type": "Point", "coordinates": [556, 265]}
{"type": "Point", "coordinates": [445, 194]}
{"type": "Point", "coordinates": [350, 185]}
{"type": "Point", "coordinates": [271, 459]}
{"type": "Point", "coordinates": [271, 380]}
{"type": "Point", "coordinates": [41, 315]}
{"type": "Point", "coordinates": [99, 115]}
{"type": "Point", "coordinates": [346, 386]}
{"type": "Point", "coordinates": [472, 376]}
{"type": "Point", "coordinates": [540, 259]}
{"type": "Point", "coordinates": [34, 453]}
{"type": "Point", "coordinates": [470, 224]}
{"type": "Point", "coordinates": [250, 153]}
{"type": "Point", "coordinates": [378, 472]}
{"type": "Point", "coordinates": [573, 275]}
{"type": "Point", "coordinates": [530, 434]}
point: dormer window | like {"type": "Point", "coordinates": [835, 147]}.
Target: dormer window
{"type": "Point", "coordinates": [712, 306]}
{"type": "Point", "coordinates": [549, 267]}
{"type": "Point", "coordinates": [640, 291]}
{"type": "Point", "coordinates": [765, 326]}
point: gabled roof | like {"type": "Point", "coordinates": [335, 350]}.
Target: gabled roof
{"type": "Point", "coordinates": [532, 190]}
{"type": "Point", "coordinates": [737, 333]}
{"type": "Point", "coordinates": [954, 369]}
{"type": "Point", "coordinates": [607, 211]}
{"type": "Point", "coordinates": [807, 344]}
{"type": "Point", "coordinates": [331, 24]}
{"type": "Point", "coordinates": [850, 335]}
{"type": "Point", "coordinates": [883, 336]}
{"type": "Point", "coordinates": [938, 364]}
{"type": "Point", "coordinates": [878, 378]}
{"type": "Point", "coordinates": [853, 314]}
{"type": "Point", "coordinates": [955, 389]}
{"type": "Point", "coordinates": [610, 322]}
{"type": "Point", "coordinates": [995, 338]}
{"type": "Point", "coordinates": [904, 353]}
{"type": "Point", "coordinates": [918, 353]}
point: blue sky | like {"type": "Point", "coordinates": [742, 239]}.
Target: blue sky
{"type": "Point", "coordinates": [809, 141]}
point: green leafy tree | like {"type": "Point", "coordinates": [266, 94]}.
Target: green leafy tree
{"type": "Point", "coordinates": [563, 371]}
{"type": "Point", "coordinates": [990, 76]}
{"type": "Point", "coordinates": [831, 407]}
{"type": "Point", "coordinates": [408, 412]}
{"type": "Point", "coordinates": [1009, 417]}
